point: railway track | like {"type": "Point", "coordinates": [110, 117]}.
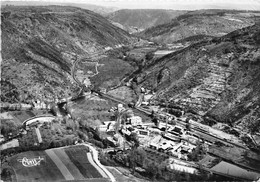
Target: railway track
{"type": "Point", "coordinates": [197, 128]}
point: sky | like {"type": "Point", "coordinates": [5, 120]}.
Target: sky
{"type": "Point", "coordinates": [170, 4]}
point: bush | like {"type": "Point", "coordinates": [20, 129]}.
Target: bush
{"type": "Point", "coordinates": [9, 126]}
{"type": "Point", "coordinates": [256, 37]}
{"type": "Point", "coordinates": [96, 143]}
{"type": "Point", "coordinates": [149, 56]}
{"type": "Point", "coordinates": [198, 153]}
{"type": "Point", "coordinates": [82, 135]}
{"type": "Point", "coordinates": [106, 160]}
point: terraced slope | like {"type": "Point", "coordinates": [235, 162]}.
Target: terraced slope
{"type": "Point", "coordinates": [218, 78]}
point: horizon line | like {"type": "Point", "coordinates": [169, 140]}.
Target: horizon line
{"type": "Point", "coordinates": [163, 6]}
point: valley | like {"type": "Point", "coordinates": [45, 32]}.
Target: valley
{"type": "Point", "coordinates": [138, 20]}
{"type": "Point", "coordinates": [169, 96]}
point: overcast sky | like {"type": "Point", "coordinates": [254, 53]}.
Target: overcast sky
{"type": "Point", "coordinates": [171, 4]}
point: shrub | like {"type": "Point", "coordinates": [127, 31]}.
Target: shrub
{"type": "Point", "coordinates": [256, 37]}
{"type": "Point", "coordinates": [82, 135]}
{"type": "Point", "coordinates": [9, 126]}
{"type": "Point", "coordinates": [97, 143]}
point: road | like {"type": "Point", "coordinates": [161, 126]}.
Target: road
{"type": "Point", "coordinates": [94, 153]}
{"type": "Point", "coordinates": [39, 118]}
{"type": "Point", "coordinates": [73, 73]}
{"type": "Point", "coordinates": [74, 66]}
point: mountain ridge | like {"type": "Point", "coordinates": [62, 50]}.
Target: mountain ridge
{"type": "Point", "coordinates": [218, 78]}
{"type": "Point", "coordinates": [43, 42]}
{"type": "Point", "coordinates": [95, 8]}
{"type": "Point", "coordinates": [202, 22]}
{"type": "Point", "coordinates": [135, 20]}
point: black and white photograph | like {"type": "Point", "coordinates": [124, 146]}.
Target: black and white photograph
{"type": "Point", "coordinates": [130, 90]}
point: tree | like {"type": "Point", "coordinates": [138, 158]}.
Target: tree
{"type": "Point", "coordinates": [152, 169]}
{"type": "Point", "coordinates": [253, 123]}
{"type": "Point", "coordinates": [82, 135]}
{"type": "Point", "coordinates": [134, 138]}
{"type": "Point", "coordinates": [188, 126]}
{"type": "Point", "coordinates": [69, 141]}
{"type": "Point", "coordinates": [254, 126]}
{"type": "Point", "coordinates": [198, 152]}
{"type": "Point", "coordinates": [76, 124]}
{"type": "Point", "coordinates": [83, 123]}
{"type": "Point", "coordinates": [162, 168]}
{"type": "Point", "coordinates": [139, 155]}
{"type": "Point", "coordinates": [70, 124]}
{"type": "Point", "coordinates": [9, 126]}
{"type": "Point", "coordinates": [133, 159]}
{"type": "Point", "coordinates": [149, 55]}
{"type": "Point", "coordinates": [54, 109]}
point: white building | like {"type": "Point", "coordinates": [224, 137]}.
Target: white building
{"type": "Point", "coordinates": [108, 48]}
{"type": "Point", "coordinates": [120, 107]}
{"type": "Point", "coordinates": [147, 97]}
{"type": "Point", "coordinates": [142, 132]}
{"type": "Point", "coordinates": [2, 138]}
{"type": "Point", "coordinates": [107, 126]}
{"type": "Point", "coordinates": [135, 120]}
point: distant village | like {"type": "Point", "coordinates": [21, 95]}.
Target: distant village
{"type": "Point", "coordinates": [180, 138]}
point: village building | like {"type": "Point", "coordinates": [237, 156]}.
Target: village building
{"type": "Point", "coordinates": [135, 120]}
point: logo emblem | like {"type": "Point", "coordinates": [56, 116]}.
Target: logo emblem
{"type": "Point", "coordinates": [31, 162]}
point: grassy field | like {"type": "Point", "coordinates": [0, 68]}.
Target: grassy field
{"type": "Point", "coordinates": [122, 174]}
{"type": "Point", "coordinates": [123, 93]}
{"type": "Point", "coordinates": [94, 110]}
{"type": "Point", "coordinates": [60, 164]}
{"type": "Point", "coordinates": [111, 72]}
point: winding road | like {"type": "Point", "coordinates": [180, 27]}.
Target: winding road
{"type": "Point", "coordinates": [73, 73]}
{"type": "Point", "coordinates": [94, 153]}
{"type": "Point", "coordinates": [74, 66]}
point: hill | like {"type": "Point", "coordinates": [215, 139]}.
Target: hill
{"type": "Point", "coordinates": [218, 78]}
{"type": "Point", "coordinates": [40, 44]}
{"type": "Point", "coordinates": [139, 19]}
{"type": "Point", "coordinates": [202, 22]}
{"type": "Point", "coordinates": [95, 8]}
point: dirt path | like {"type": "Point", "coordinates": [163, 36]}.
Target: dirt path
{"type": "Point", "coordinates": [74, 66]}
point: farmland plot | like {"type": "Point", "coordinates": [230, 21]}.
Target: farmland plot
{"type": "Point", "coordinates": [59, 164]}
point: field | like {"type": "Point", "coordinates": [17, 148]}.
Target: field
{"type": "Point", "coordinates": [123, 174]}
{"type": "Point", "coordinates": [94, 110]}
{"type": "Point", "coordinates": [111, 71]}
{"type": "Point", "coordinates": [123, 93]}
{"type": "Point", "coordinates": [24, 115]}
{"type": "Point", "coordinates": [60, 164]}
{"type": "Point", "coordinates": [89, 68]}
{"type": "Point", "coordinates": [20, 116]}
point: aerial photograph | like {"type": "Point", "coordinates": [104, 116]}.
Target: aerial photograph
{"type": "Point", "coordinates": [130, 90]}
